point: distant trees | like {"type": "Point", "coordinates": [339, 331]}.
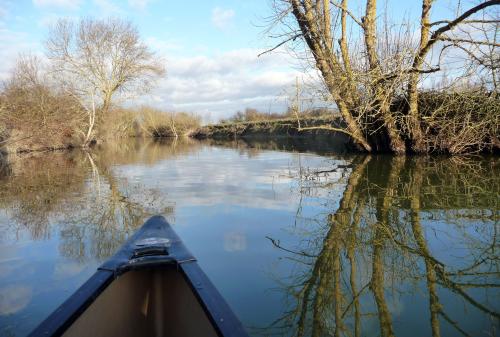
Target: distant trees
{"type": "Point", "coordinates": [96, 59]}
{"type": "Point", "coordinates": [369, 64]}
{"type": "Point", "coordinates": [254, 115]}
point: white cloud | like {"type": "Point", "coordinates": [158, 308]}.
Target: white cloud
{"type": "Point", "coordinates": [164, 47]}
{"type": "Point", "coordinates": [138, 4]}
{"type": "Point", "coordinates": [11, 44]}
{"type": "Point", "coordinates": [224, 83]}
{"type": "Point", "coordinates": [221, 18]}
{"type": "Point", "coordinates": [67, 4]}
{"type": "Point", "coordinates": [108, 8]}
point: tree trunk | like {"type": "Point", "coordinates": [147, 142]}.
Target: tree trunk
{"type": "Point", "coordinates": [418, 233]}
{"type": "Point", "coordinates": [414, 127]}
{"type": "Point", "coordinates": [92, 115]}
{"type": "Point", "coordinates": [328, 64]}
{"type": "Point", "coordinates": [396, 144]}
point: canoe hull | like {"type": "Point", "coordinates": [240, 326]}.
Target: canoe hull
{"type": "Point", "coordinates": [150, 302]}
{"type": "Point", "coordinates": [165, 295]}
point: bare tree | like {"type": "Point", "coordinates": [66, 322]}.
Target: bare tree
{"type": "Point", "coordinates": [368, 63]}
{"type": "Point", "coordinates": [96, 59]}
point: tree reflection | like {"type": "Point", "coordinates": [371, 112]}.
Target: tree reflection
{"type": "Point", "coordinates": [79, 197]}
{"type": "Point", "coordinates": [5, 169]}
{"type": "Point", "coordinates": [402, 226]}
{"type": "Point", "coordinates": [97, 225]}
{"type": "Point", "coordinates": [37, 186]}
{"type": "Point", "coordinates": [252, 146]}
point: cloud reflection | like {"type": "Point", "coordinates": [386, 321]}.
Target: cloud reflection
{"type": "Point", "coordinates": [235, 241]}
{"type": "Point", "coordinates": [14, 298]}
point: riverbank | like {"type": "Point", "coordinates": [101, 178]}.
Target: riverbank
{"type": "Point", "coordinates": [159, 128]}
{"type": "Point", "coordinates": [120, 123]}
{"type": "Point", "coordinates": [286, 127]}
{"type": "Point", "coordinates": [42, 140]}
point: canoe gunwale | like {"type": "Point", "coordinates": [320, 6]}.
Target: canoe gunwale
{"type": "Point", "coordinates": [215, 307]}
{"type": "Point", "coordinates": [68, 312]}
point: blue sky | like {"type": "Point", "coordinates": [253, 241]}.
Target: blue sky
{"type": "Point", "coordinates": [210, 47]}
{"type": "Point", "coordinates": [207, 25]}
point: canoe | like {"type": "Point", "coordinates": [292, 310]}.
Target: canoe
{"type": "Point", "coordinates": [152, 286]}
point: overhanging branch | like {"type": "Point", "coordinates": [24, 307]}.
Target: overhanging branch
{"type": "Point", "coordinates": [483, 43]}
{"type": "Point", "coordinates": [441, 22]}
{"type": "Point", "coordinates": [409, 71]}
{"type": "Point", "coordinates": [294, 37]}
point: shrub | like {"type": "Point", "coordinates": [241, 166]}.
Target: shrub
{"type": "Point", "coordinates": [121, 122]}
{"type": "Point", "coordinates": [460, 122]}
{"type": "Point", "coordinates": [148, 122]}
{"type": "Point", "coordinates": [35, 117]}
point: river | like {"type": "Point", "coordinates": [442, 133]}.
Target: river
{"type": "Point", "coordinates": [300, 239]}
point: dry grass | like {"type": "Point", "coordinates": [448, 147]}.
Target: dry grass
{"type": "Point", "coordinates": [120, 122]}
{"type": "Point", "coordinates": [149, 122]}
{"type": "Point", "coordinates": [158, 123]}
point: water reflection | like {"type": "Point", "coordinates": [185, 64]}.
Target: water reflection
{"type": "Point", "coordinates": [357, 245]}
{"type": "Point", "coordinates": [76, 202]}
{"type": "Point", "coordinates": [14, 298]}
{"type": "Point", "coordinates": [234, 241]}
{"type": "Point", "coordinates": [403, 226]}
{"type": "Point", "coordinates": [252, 146]}
{"type": "Point", "coordinates": [93, 208]}
{"type": "Point", "coordinates": [5, 170]}
{"type": "Point", "coordinates": [36, 189]}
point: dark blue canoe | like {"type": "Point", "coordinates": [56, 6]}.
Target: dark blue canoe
{"type": "Point", "coordinates": [152, 286]}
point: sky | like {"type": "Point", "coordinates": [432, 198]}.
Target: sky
{"type": "Point", "coordinates": [210, 48]}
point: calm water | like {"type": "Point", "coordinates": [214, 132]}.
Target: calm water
{"type": "Point", "coordinates": [300, 242]}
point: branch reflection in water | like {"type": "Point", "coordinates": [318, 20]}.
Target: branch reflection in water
{"type": "Point", "coordinates": [358, 246]}
{"type": "Point", "coordinates": [402, 228]}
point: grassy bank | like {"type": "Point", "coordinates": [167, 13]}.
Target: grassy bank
{"type": "Point", "coordinates": [285, 127]}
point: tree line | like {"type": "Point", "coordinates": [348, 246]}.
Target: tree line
{"type": "Point", "coordinates": [255, 115]}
